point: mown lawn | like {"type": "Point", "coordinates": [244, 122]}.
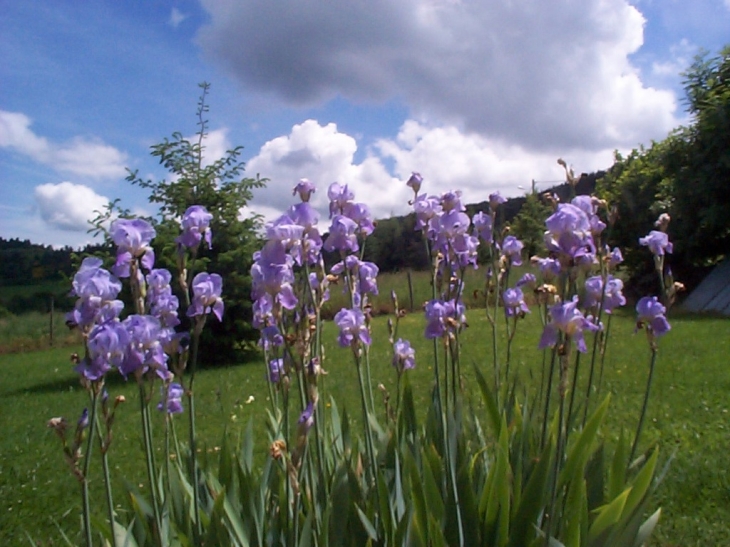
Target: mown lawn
{"type": "Point", "coordinates": [688, 414]}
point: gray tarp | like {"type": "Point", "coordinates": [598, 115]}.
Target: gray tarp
{"type": "Point", "coordinates": [713, 294]}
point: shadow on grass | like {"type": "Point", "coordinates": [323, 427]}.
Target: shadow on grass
{"type": "Point", "coordinates": [61, 385]}
{"type": "Point", "coordinates": [113, 379]}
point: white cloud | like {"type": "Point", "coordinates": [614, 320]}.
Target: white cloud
{"type": "Point", "coordinates": [680, 57]}
{"type": "Point", "coordinates": [176, 17]}
{"type": "Point", "coordinates": [448, 159]}
{"type": "Point", "coordinates": [542, 74]}
{"type": "Point", "coordinates": [67, 206]}
{"type": "Point", "coordinates": [215, 145]}
{"type": "Point", "coordinates": [323, 155]}
{"type": "Point", "coordinates": [80, 156]}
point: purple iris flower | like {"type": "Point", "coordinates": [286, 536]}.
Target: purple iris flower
{"type": "Point", "coordinates": [360, 213]}
{"type": "Point", "coordinates": [195, 227]}
{"type": "Point", "coordinates": [285, 231]}
{"type": "Point", "coordinates": [415, 182]}
{"type": "Point", "coordinates": [443, 317]}
{"type": "Point", "coordinates": [514, 302]}
{"type": "Point", "coordinates": [162, 303]}
{"type": "Point", "coordinates": [83, 422]}
{"type": "Point", "coordinates": [207, 290]}
{"type": "Point", "coordinates": [495, 200]}
{"type": "Point", "coordinates": [276, 370]}
{"type": "Point", "coordinates": [132, 238]}
{"type": "Point", "coordinates": [615, 257]}
{"type": "Point", "coordinates": [158, 280]}
{"type": "Point", "coordinates": [658, 243]}
{"type": "Point", "coordinates": [305, 189]}
{"type": "Point", "coordinates": [404, 356]}
{"type": "Point", "coordinates": [589, 205]}
{"type": "Point", "coordinates": [339, 197]}
{"type": "Point", "coordinates": [650, 314]}
{"type": "Point", "coordinates": [145, 349]}
{"type": "Point", "coordinates": [108, 345]}
{"type": "Point", "coordinates": [92, 370]}
{"type": "Point", "coordinates": [426, 208]}
{"type": "Point", "coordinates": [271, 337]}
{"type": "Point", "coordinates": [612, 296]}
{"type": "Point", "coordinates": [450, 224]}
{"type": "Point", "coordinates": [342, 235]}
{"type": "Point", "coordinates": [353, 330]}
{"type": "Point", "coordinates": [512, 249]}
{"type": "Point", "coordinates": [464, 248]}
{"type": "Point", "coordinates": [568, 319]}
{"type": "Point", "coordinates": [449, 230]}
{"type": "Point", "coordinates": [272, 274]}
{"type": "Point", "coordinates": [568, 219]}
{"type": "Point", "coordinates": [484, 224]}
{"type": "Point", "coordinates": [451, 201]}
{"type": "Point", "coordinates": [528, 280]}
{"type": "Point", "coordinates": [263, 311]}
{"type": "Point", "coordinates": [165, 307]}
{"type": "Point", "coordinates": [593, 291]}
{"type": "Point", "coordinates": [367, 277]}
{"type": "Point", "coordinates": [173, 398]}
{"type": "Point", "coordinates": [320, 286]}
{"type": "Point", "coordinates": [96, 290]}
{"type": "Point", "coordinates": [304, 215]}
{"type": "Point", "coordinates": [572, 247]}
{"type": "Point", "coordinates": [549, 268]}
{"type": "Point", "coordinates": [306, 420]}
{"type": "Point", "coordinates": [585, 260]}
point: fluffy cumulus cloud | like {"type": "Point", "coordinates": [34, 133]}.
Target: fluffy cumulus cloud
{"type": "Point", "coordinates": [542, 74]}
{"type": "Point", "coordinates": [447, 158]}
{"type": "Point", "coordinates": [450, 159]}
{"type": "Point", "coordinates": [215, 145]}
{"type": "Point", "coordinates": [67, 206]}
{"type": "Point", "coordinates": [80, 156]}
{"type": "Point", "coordinates": [323, 155]}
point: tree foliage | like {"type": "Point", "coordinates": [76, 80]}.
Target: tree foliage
{"type": "Point", "coordinates": [529, 224]}
{"type": "Point", "coordinates": [218, 185]}
{"type": "Point", "coordinates": [686, 175]}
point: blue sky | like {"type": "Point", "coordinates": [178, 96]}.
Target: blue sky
{"type": "Point", "coordinates": [477, 95]}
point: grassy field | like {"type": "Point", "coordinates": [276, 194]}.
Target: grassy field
{"type": "Point", "coordinates": [688, 414]}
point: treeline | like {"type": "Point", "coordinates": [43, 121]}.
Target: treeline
{"type": "Point", "coordinates": [686, 175]}
{"type": "Point", "coordinates": [25, 263]}
{"type": "Point", "coordinates": [37, 277]}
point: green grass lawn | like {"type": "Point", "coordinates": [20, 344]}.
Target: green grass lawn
{"type": "Point", "coordinates": [688, 413]}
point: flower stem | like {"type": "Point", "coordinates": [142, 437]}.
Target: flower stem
{"type": "Point", "coordinates": [85, 478]}
{"type": "Point", "coordinates": [548, 394]}
{"type": "Point", "coordinates": [149, 457]}
{"type": "Point", "coordinates": [103, 447]}
{"type": "Point", "coordinates": [193, 444]}
{"type": "Point", "coordinates": [644, 406]}
{"type": "Point", "coordinates": [604, 344]}
{"type": "Point", "coordinates": [573, 389]}
{"type": "Point", "coordinates": [596, 342]}
{"type": "Point", "coordinates": [559, 447]}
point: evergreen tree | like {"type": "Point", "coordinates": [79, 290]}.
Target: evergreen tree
{"type": "Point", "coordinates": [220, 187]}
{"type": "Point", "coordinates": [529, 224]}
